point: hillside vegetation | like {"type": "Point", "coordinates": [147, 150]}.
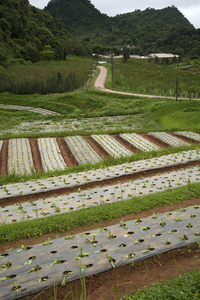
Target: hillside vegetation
{"type": "Point", "coordinates": [30, 34]}
{"type": "Point", "coordinates": [165, 30]}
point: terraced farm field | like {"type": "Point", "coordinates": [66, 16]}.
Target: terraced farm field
{"type": "Point", "coordinates": [95, 250]}
{"type": "Point", "coordinates": [20, 156]}
{"type": "Point", "coordinates": [97, 215]}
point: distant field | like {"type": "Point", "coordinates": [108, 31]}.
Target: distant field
{"type": "Point", "coordinates": [144, 76]}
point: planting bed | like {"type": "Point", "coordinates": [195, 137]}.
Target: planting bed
{"type": "Point", "coordinates": [98, 175]}
{"type": "Point", "coordinates": [189, 134]}
{"type": "Point", "coordinates": [50, 157]}
{"type": "Point", "coordinates": [139, 142]}
{"type": "Point", "coordinates": [111, 146]}
{"type": "Point", "coordinates": [36, 268]}
{"type": "Point", "coordinates": [33, 109]}
{"type": "Point", "coordinates": [98, 196]}
{"type": "Point", "coordinates": [81, 150]}
{"type": "Point", "coordinates": [50, 154]}
{"type": "Point", "coordinates": [20, 159]}
{"type": "Point", "coordinates": [168, 139]}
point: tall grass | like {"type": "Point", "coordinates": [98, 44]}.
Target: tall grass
{"type": "Point", "coordinates": [45, 77]}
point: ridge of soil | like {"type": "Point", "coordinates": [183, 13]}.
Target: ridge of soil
{"type": "Point", "coordinates": [126, 144]}
{"type": "Point", "coordinates": [98, 148]}
{"type": "Point", "coordinates": [122, 179]}
{"type": "Point", "coordinates": [185, 139]}
{"type": "Point", "coordinates": [4, 158]}
{"type": "Point", "coordinates": [66, 153]}
{"type": "Point", "coordinates": [156, 141]}
{"type": "Point", "coordinates": [36, 155]}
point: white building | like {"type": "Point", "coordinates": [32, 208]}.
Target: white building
{"type": "Point", "coordinates": [162, 55]}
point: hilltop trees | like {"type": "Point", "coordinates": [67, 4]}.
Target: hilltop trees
{"type": "Point", "coordinates": [29, 33]}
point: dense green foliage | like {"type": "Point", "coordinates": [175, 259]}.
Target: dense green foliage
{"type": "Point", "coordinates": [182, 287]}
{"type": "Point", "coordinates": [95, 215]}
{"type": "Point", "coordinates": [157, 77]}
{"type": "Point", "coordinates": [28, 33]}
{"type": "Point", "coordinates": [80, 17]}
{"type": "Point", "coordinates": [165, 30]}
{"type": "Point", "coordinates": [45, 77]}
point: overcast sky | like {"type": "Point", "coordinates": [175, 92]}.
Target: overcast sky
{"type": "Point", "coordinates": [189, 8]}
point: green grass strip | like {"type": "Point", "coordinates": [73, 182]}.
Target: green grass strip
{"type": "Point", "coordinates": [183, 287]}
{"type": "Point", "coordinates": [13, 178]}
{"type": "Point", "coordinates": [91, 216]}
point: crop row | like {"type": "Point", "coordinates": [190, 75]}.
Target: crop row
{"type": "Point", "coordinates": [99, 195]}
{"type": "Point", "coordinates": [189, 134]}
{"type": "Point", "coordinates": [168, 139]}
{"type": "Point", "coordinates": [111, 146]}
{"type": "Point", "coordinates": [20, 157]}
{"type": "Point", "coordinates": [139, 142]}
{"type": "Point", "coordinates": [47, 264]}
{"type": "Point", "coordinates": [33, 109]}
{"type": "Point", "coordinates": [81, 150]}
{"type": "Point", "coordinates": [50, 154]}
{"type": "Point", "coordinates": [74, 179]}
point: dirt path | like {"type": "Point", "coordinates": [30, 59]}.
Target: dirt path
{"type": "Point", "coordinates": [99, 84]}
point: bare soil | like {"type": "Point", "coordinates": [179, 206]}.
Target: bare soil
{"type": "Point", "coordinates": [67, 155]}
{"type": "Point", "coordinates": [156, 141]}
{"type": "Point", "coordinates": [36, 155]}
{"type": "Point", "coordinates": [100, 151]}
{"type": "Point", "coordinates": [126, 144]}
{"type": "Point", "coordinates": [185, 139]}
{"type": "Point", "coordinates": [4, 158]}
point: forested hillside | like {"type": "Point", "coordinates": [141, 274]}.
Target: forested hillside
{"type": "Point", "coordinates": [165, 30]}
{"type": "Point", "coordinates": [28, 33]}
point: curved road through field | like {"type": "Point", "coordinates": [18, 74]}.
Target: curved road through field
{"type": "Point", "coordinates": [99, 84]}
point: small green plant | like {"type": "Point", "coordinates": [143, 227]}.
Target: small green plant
{"type": "Point", "coordinates": [37, 268]}
{"type": "Point", "coordinates": [83, 254]}
{"type": "Point", "coordinates": [163, 223]}
{"type": "Point", "coordinates": [123, 225]}
{"type": "Point", "coordinates": [48, 242]}
{"type": "Point", "coordinates": [111, 260]}
{"type": "Point", "coordinates": [64, 278]}
{"type": "Point", "coordinates": [69, 237]}
{"type": "Point", "coordinates": [5, 267]}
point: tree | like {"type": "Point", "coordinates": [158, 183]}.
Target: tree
{"type": "Point", "coordinates": [126, 54]}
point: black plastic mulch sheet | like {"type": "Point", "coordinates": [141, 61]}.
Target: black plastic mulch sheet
{"type": "Point", "coordinates": [36, 268]}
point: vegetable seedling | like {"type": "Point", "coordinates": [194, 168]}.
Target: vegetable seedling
{"type": "Point", "coordinates": [163, 223]}
{"type": "Point", "coordinates": [177, 219]}
{"type": "Point", "coordinates": [111, 236]}
{"type": "Point", "coordinates": [24, 247]}
{"type": "Point", "coordinates": [183, 237]}
{"type": "Point", "coordinates": [69, 237]}
{"type": "Point", "coordinates": [37, 268]}
{"type": "Point", "coordinates": [83, 254]}
{"type": "Point", "coordinates": [111, 260]}
{"type": "Point", "coordinates": [123, 225]}
{"type": "Point", "coordinates": [5, 267]}
{"type": "Point", "coordinates": [48, 242]}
